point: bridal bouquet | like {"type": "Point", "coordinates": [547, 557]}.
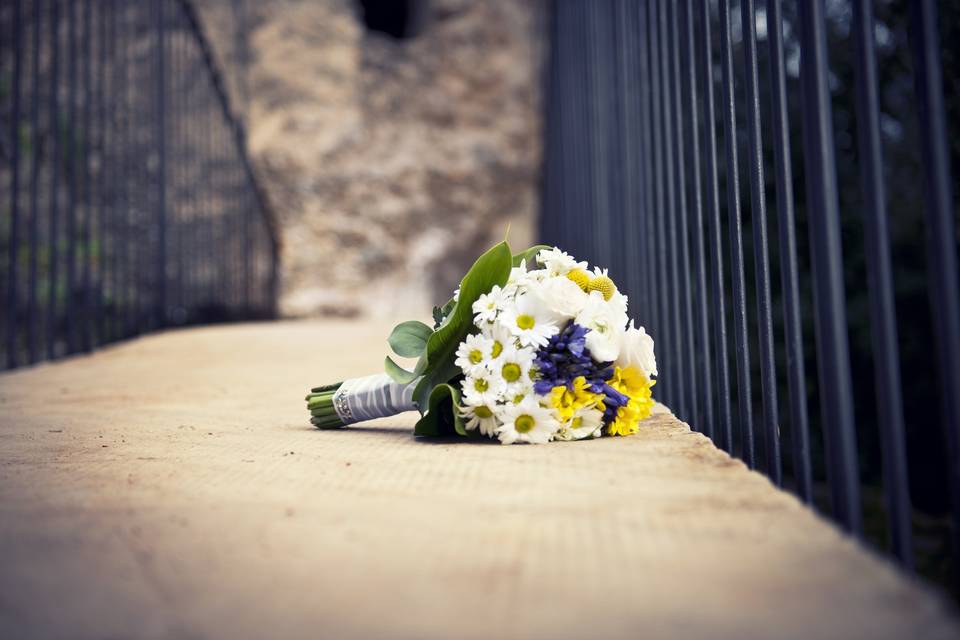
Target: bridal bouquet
{"type": "Point", "coordinates": [532, 347]}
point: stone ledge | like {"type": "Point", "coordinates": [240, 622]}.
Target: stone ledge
{"type": "Point", "coordinates": [171, 486]}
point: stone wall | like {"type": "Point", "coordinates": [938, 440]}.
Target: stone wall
{"type": "Point", "coordinates": [391, 163]}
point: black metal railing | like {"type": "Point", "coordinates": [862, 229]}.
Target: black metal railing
{"type": "Point", "coordinates": [129, 202]}
{"type": "Point", "coordinates": [673, 151]}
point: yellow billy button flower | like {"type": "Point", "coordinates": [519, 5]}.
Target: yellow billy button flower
{"type": "Point", "coordinates": [604, 285]}
{"type": "Point", "coordinates": [580, 278]}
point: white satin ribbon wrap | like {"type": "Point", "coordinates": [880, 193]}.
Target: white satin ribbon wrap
{"type": "Point", "coordinates": [370, 397]}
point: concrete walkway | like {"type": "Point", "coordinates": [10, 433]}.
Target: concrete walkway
{"type": "Point", "coordinates": [171, 487]}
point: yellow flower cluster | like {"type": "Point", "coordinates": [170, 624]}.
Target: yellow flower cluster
{"type": "Point", "coordinates": [568, 402]}
{"type": "Point", "coordinates": [603, 284]}
{"type": "Point", "coordinates": [631, 382]}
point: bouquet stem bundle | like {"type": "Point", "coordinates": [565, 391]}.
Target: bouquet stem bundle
{"type": "Point", "coordinates": [320, 404]}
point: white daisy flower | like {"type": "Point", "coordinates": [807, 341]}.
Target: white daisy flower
{"type": "Point", "coordinates": [526, 421]}
{"type": "Point", "coordinates": [521, 281]}
{"type": "Point", "coordinates": [637, 351]}
{"type": "Point", "coordinates": [488, 305]}
{"type": "Point", "coordinates": [606, 326]}
{"type": "Point", "coordinates": [530, 321]}
{"type": "Point", "coordinates": [474, 352]}
{"type": "Point", "coordinates": [562, 296]}
{"type": "Point", "coordinates": [587, 422]}
{"type": "Point", "coordinates": [500, 338]}
{"type": "Point", "coordinates": [481, 387]}
{"type": "Point", "coordinates": [519, 391]}
{"type": "Point", "coordinates": [481, 417]}
{"type": "Point", "coordinates": [513, 367]}
{"type": "Point", "coordinates": [559, 263]}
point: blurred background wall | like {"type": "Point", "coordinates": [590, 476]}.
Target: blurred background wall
{"type": "Point", "coordinates": [396, 140]}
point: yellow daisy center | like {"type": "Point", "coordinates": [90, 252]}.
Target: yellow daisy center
{"type": "Point", "coordinates": [524, 423]}
{"type": "Point", "coordinates": [511, 372]}
{"type": "Point", "coordinates": [482, 412]}
{"type": "Point", "coordinates": [476, 356]}
{"type": "Point", "coordinates": [481, 385]}
{"type": "Point", "coordinates": [497, 349]}
{"type": "Point", "coordinates": [525, 321]}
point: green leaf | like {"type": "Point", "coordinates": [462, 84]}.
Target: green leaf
{"type": "Point", "coordinates": [400, 375]}
{"type": "Point", "coordinates": [440, 313]}
{"type": "Point", "coordinates": [409, 339]}
{"type": "Point", "coordinates": [529, 255]}
{"type": "Point", "coordinates": [441, 417]}
{"type": "Point", "coordinates": [492, 268]}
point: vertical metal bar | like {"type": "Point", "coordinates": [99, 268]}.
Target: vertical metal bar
{"type": "Point", "coordinates": [880, 277]}
{"type": "Point", "coordinates": [704, 399]}
{"type": "Point", "coordinates": [620, 136]}
{"type": "Point", "coordinates": [677, 391]}
{"type": "Point", "coordinates": [553, 198]}
{"type": "Point", "coordinates": [645, 156]}
{"type": "Point", "coordinates": [833, 359]}
{"type": "Point", "coordinates": [117, 211]}
{"type": "Point", "coordinates": [54, 228]}
{"type": "Point", "coordinates": [941, 231]}
{"type": "Point", "coordinates": [660, 247]}
{"type": "Point", "coordinates": [12, 306]}
{"type": "Point", "coordinates": [142, 274]}
{"type": "Point", "coordinates": [70, 315]}
{"type": "Point", "coordinates": [122, 217]}
{"type": "Point", "coordinates": [99, 332]}
{"type": "Point", "coordinates": [687, 347]}
{"type": "Point", "coordinates": [160, 302]}
{"type": "Point", "coordinates": [32, 324]}
{"type": "Point", "coordinates": [741, 343]}
{"type": "Point", "coordinates": [758, 206]}
{"type": "Point", "coordinates": [177, 203]}
{"type": "Point", "coordinates": [796, 376]}
{"type": "Point", "coordinates": [86, 190]}
{"type": "Point", "coordinates": [631, 143]}
{"type": "Point", "coordinates": [242, 59]}
{"type": "Point", "coordinates": [247, 240]}
{"type": "Point", "coordinates": [647, 165]}
{"type": "Point", "coordinates": [214, 288]}
{"type": "Point", "coordinates": [111, 124]}
{"type": "Point", "coordinates": [714, 230]}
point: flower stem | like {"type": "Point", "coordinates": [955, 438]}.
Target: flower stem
{"type": "Point", "coordinates": [323, 415]}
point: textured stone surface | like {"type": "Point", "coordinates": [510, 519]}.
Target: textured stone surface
{"type": "Point", "coordinates": [391, 163]}
{"type": "Point", "coordinates": [171, 487]}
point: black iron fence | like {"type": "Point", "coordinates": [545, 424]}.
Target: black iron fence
{"type": "Point", "coordinates": [673, 150]}
{"type": "Point", "coordinates": [129, 203]}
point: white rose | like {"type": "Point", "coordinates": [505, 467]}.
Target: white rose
{"type": "Point", "coordinates": [606, 326]}
{"type": "Point", "coordinates": [562, 296]}
{"type": "Point", "coordinates": [637, 351]}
